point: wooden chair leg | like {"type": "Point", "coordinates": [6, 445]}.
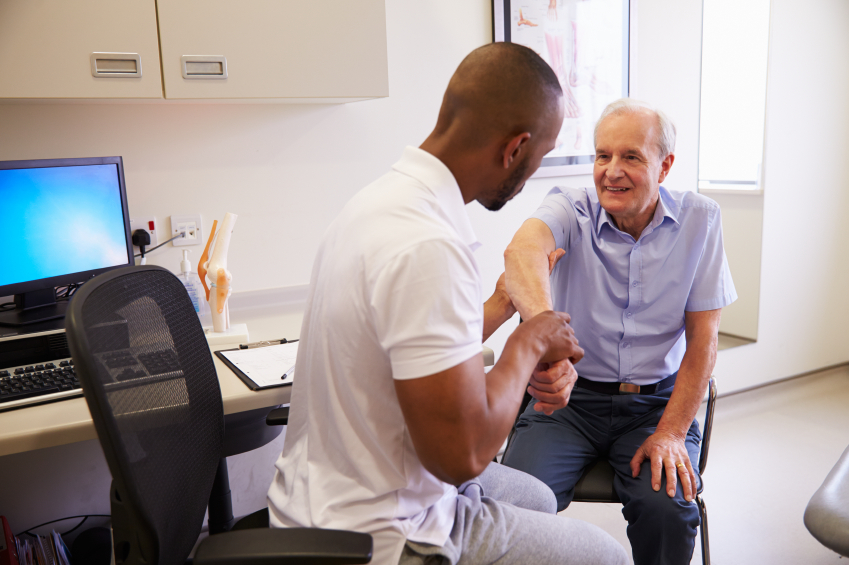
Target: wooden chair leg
{"type": "Point", "coordinates": [704, 531]}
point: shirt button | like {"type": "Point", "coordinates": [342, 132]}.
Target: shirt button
{"type": "Point", "coordinates": [626, 345]}
{"type": "Point", "coordinates": [634, 284]}
{"type": "Point", "coordinates": [629, 314]}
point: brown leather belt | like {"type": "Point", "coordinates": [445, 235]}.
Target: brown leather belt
{"type": "Point", "coordinates": [625, 388]}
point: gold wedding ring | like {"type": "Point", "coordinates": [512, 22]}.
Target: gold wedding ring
{"type": "Point", "coordinates": [679, 464]}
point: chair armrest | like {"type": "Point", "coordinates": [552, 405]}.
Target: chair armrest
{"type": "Point", "coordinates": [285, 546]}
{"type": "Point", "coordinates": [827, 514]}
{"type": "Point", "coordinates": [278, 417]}
{"type": "Point", "coordinates": [708, 427]}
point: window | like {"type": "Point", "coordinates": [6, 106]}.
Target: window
{"type": "Point", "coordinates": [735, 41]}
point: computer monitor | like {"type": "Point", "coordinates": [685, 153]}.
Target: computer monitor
{"type": "Point", "coordinates": [62, 221]}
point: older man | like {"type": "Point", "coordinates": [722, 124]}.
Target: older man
{"type": "Point", "coordinates": [644, 277]}
{"type": "Point", "coordinates": [391, 408]}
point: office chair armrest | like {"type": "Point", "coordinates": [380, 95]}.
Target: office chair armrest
{"type": "Point", "coordinates": [278, 417]}
{"type": "Point", "coordinates": [285, 546]}
{"type": "Point", "coordinates": [708, 427]}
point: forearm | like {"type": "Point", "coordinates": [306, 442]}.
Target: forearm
{"type": "Point", "coordinates": [690, 386]}
{"type": "Point", "coordinates": [505, 387]}
{"type": "Point", "coordinates": [527, 268]}
{"type": "Point", "coordinates": [497, 310]}
{"type": "Point", "coordinates": [458, 418]}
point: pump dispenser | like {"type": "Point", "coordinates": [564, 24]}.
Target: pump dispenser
{"type": "Point", "coordinates": [195, 289]}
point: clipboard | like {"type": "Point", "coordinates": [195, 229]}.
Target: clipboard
{"type": "Point", "coordinates": [261, 367]}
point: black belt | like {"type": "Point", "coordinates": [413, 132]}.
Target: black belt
{"type": "Point", "coordinates": [625, 388]}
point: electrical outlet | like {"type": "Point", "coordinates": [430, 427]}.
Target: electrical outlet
{"type": "Point", "coordinates": [191, 225]}
{"type": "Point", "coordinates": [148, 224]}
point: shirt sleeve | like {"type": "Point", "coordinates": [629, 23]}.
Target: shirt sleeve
{"type": "Point", "coordinates": [428, 309]}
{"type": "Point", "coordinates": [559, 214]}
{"type": "Point", "coordinates": [712, 286]}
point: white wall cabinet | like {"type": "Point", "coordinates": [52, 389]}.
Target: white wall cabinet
{"type": "Point", "coordinates": [45, 48]}
{"type": "Point", "coordinates": [334, 49]}
{"type": "Point", "coordinates": [273, 50]}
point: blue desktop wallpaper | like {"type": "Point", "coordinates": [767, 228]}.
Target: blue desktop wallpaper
{"type": "Point", "coordinates": [60, 220]}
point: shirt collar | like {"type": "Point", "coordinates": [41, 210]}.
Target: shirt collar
{"type": "Point", "coordinates": [433, 174]}
{"type": "Point", "coordinates": [666, 208]}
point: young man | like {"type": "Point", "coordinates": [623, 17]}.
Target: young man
{"type": "Point", "coordinates": [391, 408]}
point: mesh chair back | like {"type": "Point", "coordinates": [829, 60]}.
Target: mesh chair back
{"type": "Point", "coordinates": [152, 390]}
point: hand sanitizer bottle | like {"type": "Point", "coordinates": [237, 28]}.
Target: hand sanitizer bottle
{"type": "Point", "coordinates": [195, 289]}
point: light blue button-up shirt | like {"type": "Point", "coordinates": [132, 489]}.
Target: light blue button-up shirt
{"type": "Point", "coordinates": [627, 298]}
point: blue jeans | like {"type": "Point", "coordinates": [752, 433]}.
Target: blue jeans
{"type": "Point", "coordinates": [556, 449]}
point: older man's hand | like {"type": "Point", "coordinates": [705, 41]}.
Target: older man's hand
{"type": "Point", "coordinates": [551, 384]}
{"type": "Point", "coordinates": [667, 452]}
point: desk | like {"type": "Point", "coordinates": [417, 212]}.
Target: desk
{"type": "Point", "coordinates": [69, 421]}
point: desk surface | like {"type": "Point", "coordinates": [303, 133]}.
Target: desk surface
{"type": "Point", "coordinates": [69, 421]}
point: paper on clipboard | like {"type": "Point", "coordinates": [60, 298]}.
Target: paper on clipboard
{"type": "Point", "coordinates": [266, 366]}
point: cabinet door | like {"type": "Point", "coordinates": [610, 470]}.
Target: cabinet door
{"type": "Point", "coordinates": [274, 49]}
{"type": "Point", "coordinates": [46, 48]}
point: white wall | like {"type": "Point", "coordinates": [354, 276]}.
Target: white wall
{"type": "Point", "coordinates": [805, 257]}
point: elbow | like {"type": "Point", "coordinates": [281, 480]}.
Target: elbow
{"type": "Point", "coordinates": [459, 470]}
{"type": "Point", "coordinates": [512, 252]}
{"type": "Point", "coordinates": [472, 469]}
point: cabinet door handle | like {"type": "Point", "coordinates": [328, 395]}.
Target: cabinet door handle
{"type": "Point", "coordinates": [116, 65]}
{"type": "Point", "coordinates": [204, 66]}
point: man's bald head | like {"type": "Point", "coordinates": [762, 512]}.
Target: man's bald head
{"type": "Point", "coordinates": [498, 90]}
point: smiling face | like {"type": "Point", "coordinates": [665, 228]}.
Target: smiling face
{"type": "Point", "coordinates": [628, 169]}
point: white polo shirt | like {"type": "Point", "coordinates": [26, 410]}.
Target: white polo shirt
{"type": "Point", "coordinates": [395, 294]}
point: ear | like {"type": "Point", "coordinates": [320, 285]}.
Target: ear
{"type": "Point", "coordinates": [665, 165]}
{"type": "Point", "coordinates": [514, 147]}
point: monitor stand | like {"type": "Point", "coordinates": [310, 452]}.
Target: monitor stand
{"type": "Point", "coordinates": [34, 307]}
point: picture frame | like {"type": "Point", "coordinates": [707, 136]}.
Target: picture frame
{"type": "Point", "coordinates": [590, 46]}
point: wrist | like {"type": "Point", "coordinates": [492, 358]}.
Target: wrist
{"type": "Point", "coordinates": [531, 338]}
{"type": "Point", "coordinates": [501, 304]}
{"type": "Point", "coordinates": [670, 431]}
{"type": "Point", "coordinates": [531, 311]}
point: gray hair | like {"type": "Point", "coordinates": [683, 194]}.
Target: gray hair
{"type": "Point", "coordinates": [666, 129]}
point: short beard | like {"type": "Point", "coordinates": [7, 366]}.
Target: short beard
{"type": "Point", "coordinates": [508, 188]}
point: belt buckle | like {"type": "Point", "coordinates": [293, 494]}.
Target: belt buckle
{"type": "Point", "coordinates": [628, 388]}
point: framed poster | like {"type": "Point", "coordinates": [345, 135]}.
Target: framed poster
{"type": "Point", "coordinates": [588, 44]}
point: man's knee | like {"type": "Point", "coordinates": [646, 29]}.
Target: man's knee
{"type": "Point", "coordinates": [537, 496]}
{"type": "Point", "coordinates": [517, 488]}
{"type": "Point", "coordinates": [659, 510]}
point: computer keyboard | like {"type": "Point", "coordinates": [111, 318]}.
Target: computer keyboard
{"type": "Point", "coordinates": [124, 364]}
{"type": "Point", "coordinates": [36, 384]}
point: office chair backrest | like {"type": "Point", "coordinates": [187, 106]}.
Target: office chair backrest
{"type": "Point", "coordinates": [151, 387]}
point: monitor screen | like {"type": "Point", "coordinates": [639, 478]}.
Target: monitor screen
{"type": "Point", "coordinates": [60, 220]}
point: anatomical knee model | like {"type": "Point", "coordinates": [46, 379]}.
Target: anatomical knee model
{"type": "Point", "coordinates": [216, 269]}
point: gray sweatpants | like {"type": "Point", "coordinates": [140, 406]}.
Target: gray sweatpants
{"type": "Point", "coordinates": [508, 517]}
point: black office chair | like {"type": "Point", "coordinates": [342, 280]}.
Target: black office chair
{"type": "Point", "coordinates": [596, 484]}
{"type": "Point", "coordinates": [150, 383]}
